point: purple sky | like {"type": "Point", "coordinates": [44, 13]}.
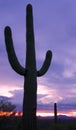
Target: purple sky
{"type": "Point", "coordinates": [55, 29]}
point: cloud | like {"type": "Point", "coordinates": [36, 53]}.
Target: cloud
{"type": "Point", "coordinates": [17, 97]}
{"type": "Point", "coordinates": [6, 90]}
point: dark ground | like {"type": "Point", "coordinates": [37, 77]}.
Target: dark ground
{"type": "Point", "coordinates": [14, 123]}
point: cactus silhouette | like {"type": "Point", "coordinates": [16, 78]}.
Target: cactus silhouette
{"type": "Point", "coordinates": [30, 72]}
{"type": "Point", "coordinates": [55, 112]}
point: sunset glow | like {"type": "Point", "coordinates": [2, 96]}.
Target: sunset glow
{"type": "Point", "coordinates": [18, 114]}
{"type": "Point", "coordinates": [40, 113]}
{"type": "Point", "coordinates": [45, 114]}
{"type": "Point", "coordinates": [10, 113]}
{"type": "Point", "coordinates": [5, 113]}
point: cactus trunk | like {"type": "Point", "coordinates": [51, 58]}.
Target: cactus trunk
{"type": "Point", "coordinates": [55, 112]}
{"type": "Point", "coordinates": [30, 72]}
{"type": "Point", "coordinates": [30, 81]}
{"type": "Point", "coordinates": [29, 105]}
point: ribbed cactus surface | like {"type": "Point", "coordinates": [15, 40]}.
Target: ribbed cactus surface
{"type": "Point", "coordinates": [29, 72]}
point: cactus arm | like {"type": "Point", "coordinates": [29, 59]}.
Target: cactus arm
{"type": "Point", "coordinates": [46, 64]}
{"type": "Point", "coordinates": [11, 53]}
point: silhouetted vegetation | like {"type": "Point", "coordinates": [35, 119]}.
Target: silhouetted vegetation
{"type": "Point", "coordinates": [6, 106]}
{"type": "Point", "coordinates": [15, 123]}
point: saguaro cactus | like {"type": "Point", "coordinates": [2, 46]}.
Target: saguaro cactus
{"type": "Point", "coordinates": [55, 112]}
{"type": "Point", "coordinates": [30, 72]}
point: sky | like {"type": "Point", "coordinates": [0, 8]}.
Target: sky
{"type": "Point", "coordinates": [55, 30]}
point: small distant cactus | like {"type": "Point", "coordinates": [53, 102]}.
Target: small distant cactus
{"type": "Point", "coordinates": [30, 72]}
{"type": "Point", "coordinates": [55, 112]}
